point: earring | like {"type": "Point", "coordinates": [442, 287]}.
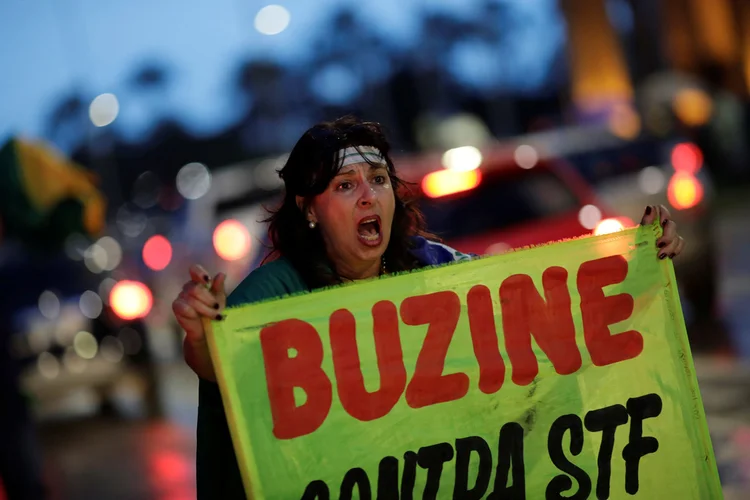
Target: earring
{"type": "Point", "coordinates": [312, 224]}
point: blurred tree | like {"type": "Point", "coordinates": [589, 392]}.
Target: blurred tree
{"type": "Point", "coordinates": [68, 123]}
{"type": "Point", "coordinates": [151, 75]}
{"type": "Point", "coordinates": [277, 106]}
{"type": "Point", "coordinates": [349, 69]}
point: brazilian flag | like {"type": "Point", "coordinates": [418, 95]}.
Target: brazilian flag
{"type": "Point", "coordinates": [44, 197]}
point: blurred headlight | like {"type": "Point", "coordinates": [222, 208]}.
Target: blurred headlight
{"type": "Point", "coordinates": [608, 226]}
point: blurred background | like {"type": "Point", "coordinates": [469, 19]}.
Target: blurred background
{"type": "Point", "coordinates": [139, 137]}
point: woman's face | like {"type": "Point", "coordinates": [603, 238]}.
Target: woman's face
{"type": "Point", "coordinates": [355, 214]}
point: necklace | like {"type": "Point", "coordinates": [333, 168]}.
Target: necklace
{"type": "Point", "coordinates": [383, 269]}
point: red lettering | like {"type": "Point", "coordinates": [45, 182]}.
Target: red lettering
{"type": "Point", "coordinates": [484, 339]}
{"type": "Point", "coordinates": [429, 386]}
{"type": "Point", "coordinates": [303, 370]}
{"type": "Point", "coordinates": [355, 399]}
{"type": "Point", "coordinates": [598, 311]}
{"type": "Point", "coordinates": [525, 313]}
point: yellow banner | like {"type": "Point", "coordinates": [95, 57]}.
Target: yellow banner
{"type": "Point", "coordinates": [561, 371]}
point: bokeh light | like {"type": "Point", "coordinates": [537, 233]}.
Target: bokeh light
{"type": "Point", "coordinates": [446, 182]}
{"type": "Point", "coordinates": [687, 157]}
{"type": "Point", "coordinates": [684, 191]}
{"type": "Point", "coordinates": [49, 305]}
{"type": "Point", "coordinates": [624, 122]}
{"type": "Point", "coordinates": [693, 107]}
{"type": "Point", "coordinates": [462, 159]}
{"type": "Point", "coordinates": [272, 19]}
{"type": "Point", "coordinates": [157, 252]}
{"type": "Point", "coordinates": [48, 365]}
{"type": "Point", "coordinates": [90, 304]}
{"type": "Point", "coordinates": [651, 180]}
{"type": "Point", "coordinates": [231, 240]}
{"type": "Point", "coordinates": [73, 362]}
{"type": "Point", "coordinates": [112, 349]}
{"type": "Point", "coordinates": [85, 345]}
{"type": "Point", "coordinates": [104, 110]}
{"type": "Point", "coordinates": [526, 156]}
{"type": "Point", "coordinates": [193, 181]}
{"type": "Point", "coordinates": [130, 299]}
{"type": "Point", "coordinates": [589, 216]}
{"type": "Point", "coordinates": [113, 252]}
{"type": "Point", "coordinates": [608, 226]}
{"type": "Point", "coordinates": [95, 258]}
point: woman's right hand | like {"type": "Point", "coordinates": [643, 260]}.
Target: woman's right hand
{"type": "Point", "coordinates": [201, 297]}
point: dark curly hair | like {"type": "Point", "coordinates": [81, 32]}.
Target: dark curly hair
{"type": "Point", "coordinates": [311, 166]}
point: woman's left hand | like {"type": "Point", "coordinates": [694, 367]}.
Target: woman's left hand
{"type": "Point", "coordinates": [670, 244]}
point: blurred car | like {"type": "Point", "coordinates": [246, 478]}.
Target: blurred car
{"type": "Point", "coordinates": [672, 173]}
{"type": "Point", "coordinates": [505, 207]}
{"type": "Point", "coordinates": [523, 195]}
{"type": "Point", "coordinates": [66, 337]}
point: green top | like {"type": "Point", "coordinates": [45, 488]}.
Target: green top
{"type": "Point", "coordinates": [218, 475]}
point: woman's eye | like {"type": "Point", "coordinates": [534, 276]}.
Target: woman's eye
{"type": "Point", "coordinates": [345, 185]}
{"type": "Point", "coordinates": [380, 179]}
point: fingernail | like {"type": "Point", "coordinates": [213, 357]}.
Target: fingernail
{"type": "Point", "coordinates": [661, 256]}
{"type": "Point", "coordinates": [219, 317]}
{"type": "Point", "coordinates": [672, 256]}
{"type": "Point", "coordinates": [664, 222]}
{"type": "Point", "coordinates": [216, 306]}
{"type": "Point", "coordinates": [648, 210]}
{"type": "Point", "coordinates": [206, 278]}
{"type": "Point", "coordinates": [662, 244]}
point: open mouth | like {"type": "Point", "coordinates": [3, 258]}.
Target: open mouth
{"type": "Point", "coordinates": [368, 230]}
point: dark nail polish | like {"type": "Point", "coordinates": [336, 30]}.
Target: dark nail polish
{"type": "Point", "coordinates": [662, 244]}
{"type": "Point", "coordinates": [216, 306]}
{"type": "Point", "coordinates": [648, 210]}
{"type": "Point", "coordinates": [219, 317]}
{"type": "Point", "coordinates": [661, 256]}
{"type": "Point", "coordinates": [206, 278]}
{"type": "Point", "coordinates": [664, 222]}
{"type": "Point", "coordinates": [672, 256]}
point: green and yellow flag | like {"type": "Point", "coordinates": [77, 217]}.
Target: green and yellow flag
{"type": "Point", "coordinates": [561, 371]}
{"type": "Point", "coordinates": [44, 196]}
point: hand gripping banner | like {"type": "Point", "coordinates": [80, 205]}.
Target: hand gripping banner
{"type": "Point", "coordinates": [560, 371]}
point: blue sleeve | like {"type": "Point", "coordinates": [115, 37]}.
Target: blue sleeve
{"type": "Point", "coordinates": [432, 253]}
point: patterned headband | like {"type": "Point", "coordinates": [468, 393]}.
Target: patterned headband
{"type": "Point", "coordinates": [361, 154]}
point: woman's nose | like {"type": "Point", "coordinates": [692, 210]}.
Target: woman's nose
{"type": "Point", "coordinates": [367, 195]}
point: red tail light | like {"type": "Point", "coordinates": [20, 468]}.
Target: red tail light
{"type": "Point", "coordinates": [445, 182]}
{"type": "Point", "coordinates": [687, 157]}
